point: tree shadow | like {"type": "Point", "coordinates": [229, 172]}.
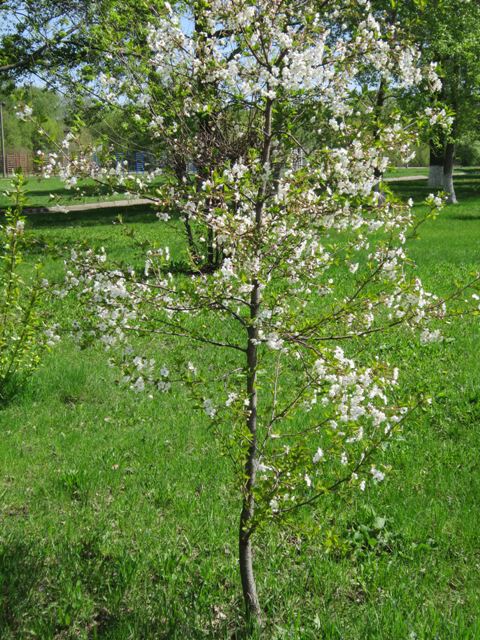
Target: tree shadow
{"type": "Point", "coordinates": [93, 217]}
{"type": "Point", "coordinates": [466, 218]}
{"type": "Point", "coordinates": [470, 170]}
{"type": "Point", "coordinates": [467, 188]}
{"type": "Point", "coordinates": [20, 573]}
{"type": "Point", "coordinates": [51, 594]}
{"type": "Point", "coordinates": [87, 190]}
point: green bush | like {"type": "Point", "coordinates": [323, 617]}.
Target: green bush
{"type": "Point", "coordinates": [468, 153]}
{"type": "Point", "coordinates": [24, 329]}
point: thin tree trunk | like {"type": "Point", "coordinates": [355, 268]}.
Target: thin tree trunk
{"type": "Point", "coordinates": [210, 247]}
{"type": "Point", "coordinates": [191, 242]}
{"type": "Point", "coordinates": [180, 167]}
{"type": "Point", "coordinates": [448, 173]}
{"type": "Point", "coordinates": [249, 587]}
{"type": "Point", "coordinates": [437, 157]}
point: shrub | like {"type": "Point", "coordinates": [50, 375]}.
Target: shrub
{"type": "Point", "coordinates": [25, 332]}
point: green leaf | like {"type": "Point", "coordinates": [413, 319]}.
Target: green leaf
{"type": "Point", "coordinates": [379, 523]}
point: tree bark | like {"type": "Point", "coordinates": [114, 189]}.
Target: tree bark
{"type": "Point", "coordinates": [448, 173]}
{"type": "Point", "coordinates": [449, 162]}
{"type": "Point", "coordinates": [249, 587]}
{"type": "Point", "coordinates": [450, 147]}
{"type": "Point", "coordinates": [379, 105]}
{"type": "Point", "coordinates": [437, 157]}
{"type": "Point", "coordinates": [180, 167]}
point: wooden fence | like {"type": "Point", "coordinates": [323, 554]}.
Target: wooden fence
{"type": "Point", "coordinates": [135, 162]}
{"type": "Point", "coordinates": [17, 160]}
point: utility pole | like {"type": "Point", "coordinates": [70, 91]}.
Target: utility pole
{"type": "Point", "coordinates": [4, 155]}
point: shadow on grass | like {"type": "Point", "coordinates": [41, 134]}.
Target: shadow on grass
{"type": "Point", "coordinates": [470, 170]}
{"type": "Point", "coordinates": [467, 187]}
{"type": "Point", "coordinates": [61, 191]}
{"type": "Point", "coordinates": [94, 217]}
{"type": "Point", "coordinates": [465, 218]}
{"type": "Point", "coordinates": [51, 591]}
{"type": "Point", "coordinates": [11, 389]}
{"type": "Point", "coordinates": [20, 573]}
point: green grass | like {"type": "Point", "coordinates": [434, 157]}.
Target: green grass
{"type": "Point", "coordinates": [404, 172]}
{"type": "Point", "coordinates": [40, 192]}
{"type": "Point", "coordinates": [118, 520]}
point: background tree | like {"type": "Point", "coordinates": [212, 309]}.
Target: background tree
{"type": "Point", "coordinates": [448, 35]}
{"type": "Point", "coordinates": [48, 111]}
{"type": "Point", "coordinates": [455, 45]}
{"type": "Point", "coordinates": [45, 37]}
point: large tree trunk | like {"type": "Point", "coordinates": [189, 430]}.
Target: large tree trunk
{"type": "Point", "coordinates": [379, 105]}
{"type": "Point", "coordinates": [449, 162]}
{"type": "Point", "coordinates": [437, 157]}
{"type": "Point", "coordinates": [448, 173]}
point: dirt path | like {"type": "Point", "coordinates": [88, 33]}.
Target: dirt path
{"type": "Point", "coordinates": [405, 178]}
{"type": "Point", "coordinates": [408, 178]}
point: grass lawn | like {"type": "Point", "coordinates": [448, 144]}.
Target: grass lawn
{"type": "Point", "coordinates": [40, 192]}
{"type": "Point", "coordinates": [118, 520]}
{"type": "Point", "coordinates": [405, 172]}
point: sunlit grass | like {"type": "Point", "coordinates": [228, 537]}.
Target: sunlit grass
{"type": "Point", "coordinates": [118, 517]}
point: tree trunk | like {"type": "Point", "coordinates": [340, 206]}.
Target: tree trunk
{"type": "Point", "coordinates": [180, 167]}
{"type": "Point", "coordinates": [249, 587]}
{"type": "Point", "coordinates": [252, 604]}
{"type": "Point", "coordinates": [448, 173]}
{"type": "Point", "coordinates": [450, 147]}
{"type": "Point", "coordinates": [379, 177]}
{"type": "Point", "coordinates": [379, 105]}
{"type": "Point", "coordinates": [248, 579]}
{"type": "Point", "coordinates": [210, 247]}
{"type": "Point", "coordinates": [437, 157]}
{"type": "Point", "coordinates": [449, 162]}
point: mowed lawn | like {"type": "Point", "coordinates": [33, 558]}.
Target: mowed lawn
{"type": "Point", "coordinates": [118, 517]}
{"type": "Point", "coordinates": [406, 172]}
{"type": "Point", "coordinates": [52, 192]}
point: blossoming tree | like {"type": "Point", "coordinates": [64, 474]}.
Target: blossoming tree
{"type": "Point", "coordinates": [313, 261]}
